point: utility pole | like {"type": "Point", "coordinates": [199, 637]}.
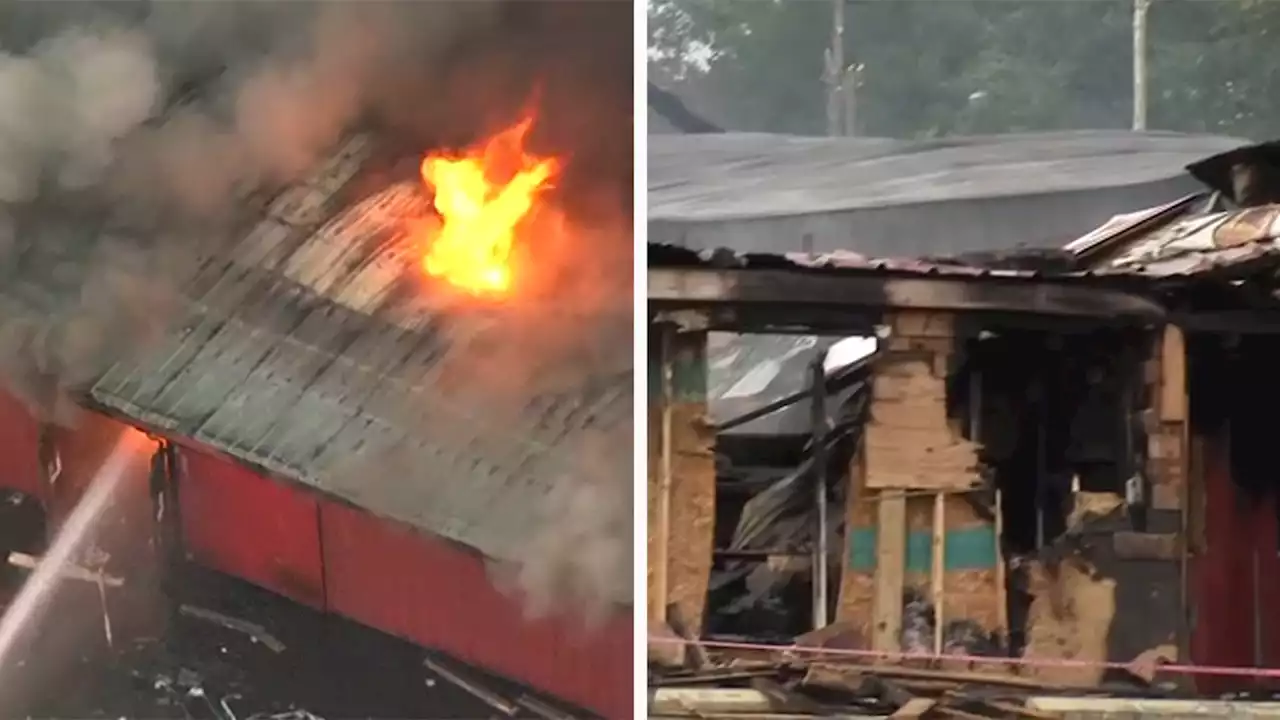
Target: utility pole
{"type": "Point", "coordinates": [1140, 9]}
{"type": "Point", "coordinates": [835, 71]}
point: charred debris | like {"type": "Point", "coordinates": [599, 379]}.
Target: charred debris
{"type": "Point", "coordinates": [982, 479]}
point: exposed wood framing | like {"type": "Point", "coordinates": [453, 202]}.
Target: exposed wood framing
{"type": "Point", "coordinates": [681, 476]}
{"type": "Point", "coordinates": [913, 528]}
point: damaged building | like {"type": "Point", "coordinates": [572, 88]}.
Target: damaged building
{"type": "Point", "coordinates": [1059, 457]}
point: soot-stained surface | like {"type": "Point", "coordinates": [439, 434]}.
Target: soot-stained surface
{"type": "Point", "coordinates": [198, 670]}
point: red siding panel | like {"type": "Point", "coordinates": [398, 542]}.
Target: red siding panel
{"type": "Point", "coordinates": [251, 527]}
{"type": "Point", "coordinates": [19, 448]}
{"type": "Point", "coordinates": [1237, 529]}
{"type": "Point", "coordinates": [428, 591]}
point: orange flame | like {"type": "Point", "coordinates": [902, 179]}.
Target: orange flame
{"type": "Point", "coordinates": [481, 196]}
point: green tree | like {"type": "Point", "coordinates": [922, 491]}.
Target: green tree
{"type": "Point", "coordinates": [940, 67]}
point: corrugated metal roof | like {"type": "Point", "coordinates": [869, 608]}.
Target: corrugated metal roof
{"type": "Point", "coordinates": [698, 178]}
{"type": "Point", "coordinates": [775, 193]}
{"type": "Point", "coordinates": [309, 349]}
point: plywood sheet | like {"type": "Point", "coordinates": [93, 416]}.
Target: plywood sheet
{"type": "Point", "coordinates": [910, 441]}
{"type": "Point", "coordinates": [1070, 619]}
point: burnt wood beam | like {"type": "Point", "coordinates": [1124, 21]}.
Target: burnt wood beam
{"type": "Point", "coordinates": [804, 291]}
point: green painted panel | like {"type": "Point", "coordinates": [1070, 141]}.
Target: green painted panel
{"type": "Point", "coordinates": [689, 369]}
{"type": "Point", "coordinates": [968, 549]}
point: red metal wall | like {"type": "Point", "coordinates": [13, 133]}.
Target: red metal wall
{"type": "Point", "coordinates": [251, 527]}
{"type": "Point", "coordinates": [19, 448]}
{"type": "Point", "coordinates": [439, 595]}
{"type": "Point", "coordinates": [1226, 601]}
{"type": "Point", "coordinates": [332, 556]}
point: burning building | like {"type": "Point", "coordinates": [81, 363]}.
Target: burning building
{"type": "Point", "coordinates": [383, 353]}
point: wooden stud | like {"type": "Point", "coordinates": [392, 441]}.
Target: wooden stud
{"type": "Point", "coordinates": [937, 574]}
{"type": "Point", "coordinates": [662, 559]}
{"type": "Point", "coordinates": [891, 560]}
{"type": "Point", "coordinates": [1002, 591]}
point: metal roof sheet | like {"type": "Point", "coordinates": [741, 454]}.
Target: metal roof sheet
{"type": "Point", "coordinates": [1182, 243]}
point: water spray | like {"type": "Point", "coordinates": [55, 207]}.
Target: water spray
{"type": "Point", "coordinates": [34, 594]}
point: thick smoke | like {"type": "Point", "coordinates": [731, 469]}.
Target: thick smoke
{"type": "Point", "coordinates": [132, 135]}
{"type": "Point", "coordinates": [121, 121]}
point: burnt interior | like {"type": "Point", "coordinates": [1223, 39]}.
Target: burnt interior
{"type": "Point", "coordinates": [1237, 376]}
{"type": "Point", "coordinates": [1056, 410]}
{"type": "Point", "coordinates": [762, 584]}
{"type": "Point", "coordinates": [1055, 407]}
{"type": "Point", "coordinates": [1059, 413]}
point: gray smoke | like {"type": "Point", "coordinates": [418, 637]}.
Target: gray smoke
{"type": "Point", "coordinates": [121, 123]}
{"type": "Point", "coordinates": [64, 105]}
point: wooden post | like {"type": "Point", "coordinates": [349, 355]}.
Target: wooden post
{"type": "Point", "coordinates": [661, 560]}
{"type": "Point", "coordinates": [937, 574]}
{"type": "Point", "coordinates": [891, 560]}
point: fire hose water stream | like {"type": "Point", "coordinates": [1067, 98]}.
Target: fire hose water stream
{"type": "Point", "coordinates": [34, 595]}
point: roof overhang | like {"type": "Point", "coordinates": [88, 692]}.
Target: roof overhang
{"type": "Point", "coordinates": [808, 298]}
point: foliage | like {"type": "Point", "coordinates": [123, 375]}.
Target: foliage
{"type": "Point", "coordinates": [941, 67]}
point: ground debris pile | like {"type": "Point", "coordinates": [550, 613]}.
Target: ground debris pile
{"type": "Point", "coordinates": [794, 682]}
{"type": "Point", "coordinates": [234, 652]}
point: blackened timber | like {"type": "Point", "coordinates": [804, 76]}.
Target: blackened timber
{"type": "Point", "coordinates": [671, 287]}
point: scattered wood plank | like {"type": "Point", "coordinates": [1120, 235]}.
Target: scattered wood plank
{"type": "Point", "coordinates": [1020, 710]}
{"type": "Point", "coordinates": [958, 713]}
{"type": "Point", "coordinates": [718, 675]}
{"type": "Point", "coordinates": [69, 570]}
{"type": "Point", "coordinates": [846, 679]}
{"type": "Point", "coordinates": [710, 701]}
{"type": "Point", "coordinates": [913, 709]}
{"type": "Point", "coordinates": [831, 670]}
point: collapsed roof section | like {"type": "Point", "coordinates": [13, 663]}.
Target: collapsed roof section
{"type": "Point", "coordinates": [1227, 231]}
